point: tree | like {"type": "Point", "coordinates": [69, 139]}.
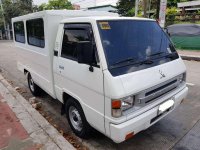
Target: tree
{"type": "Point", "coordinates": [1, 18]}
{"type": "Point", "coordinates": [17, 8]}
{"type": "Point", "coordinates": [1, 23]}
{"type": "Point", "coordinates": [126, 7]}
{"type": "Point", "coordinates": [145, 4]}
{"type": "Point", "coordinates": [56, 4]}
{"type": "Point", "coordinates": [42, 7]}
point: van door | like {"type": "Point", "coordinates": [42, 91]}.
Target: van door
{"type": "Point", "coordinates": [76, 79]}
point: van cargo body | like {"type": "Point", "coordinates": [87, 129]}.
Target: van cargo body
{"type": "Point", "coordinates": [118, 75]}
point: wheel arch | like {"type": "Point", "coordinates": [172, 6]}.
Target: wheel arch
{"type": "Point", "coordinates": [65, 97]}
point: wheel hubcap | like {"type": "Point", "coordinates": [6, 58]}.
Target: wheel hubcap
{"type": "Point", "coordinates": [31, 84]}
{"type": "Point", "coordinates": [75, 118]}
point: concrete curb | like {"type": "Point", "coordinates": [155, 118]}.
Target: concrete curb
{"type": "Point", "coordinates": [190, 57]}
{"type": "Point", "coordinates": [38, 128]}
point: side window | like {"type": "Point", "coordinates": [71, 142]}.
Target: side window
{"type": "Point", "coordinates": [71, 37]}
{"type": "Point", "coordinates": [19, 31]}
{"type": "Point", "coordinates": [35, 32]}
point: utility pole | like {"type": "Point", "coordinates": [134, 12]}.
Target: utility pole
{"type": "Point", "coordinates": [4, 22]}
{"type": "Point", "coordinates": [136, 8]}
{"type": "Point", "coordinates": [162, 13]}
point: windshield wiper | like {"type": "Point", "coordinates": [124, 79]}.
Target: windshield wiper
{"type": "Point", "coordinates": [132, 61]}
{"type": "Point", "coordinates": [125, 60]}
{"type": "Point", "coordinates": [172, 55]}
{"type": "Point", "coordinates": [158, 53]}
{"type": "Point", "coordinates": [147, 62]}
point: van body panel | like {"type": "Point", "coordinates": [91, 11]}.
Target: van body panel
{"type": "Point", "coordinates": [76, 80]}
{"type": "Point", "coordinates": [128, 84]}
{"type": "Point", "coordinates": [95, 90]}
{"type": "Point", "coordinates": [143, 121]}
{"type": "Point", "coordinates": [85, 86]}
{"type": "Point", "coordinates": [151, 76]}
{"type": "Point", "coordinates": [39, 61]}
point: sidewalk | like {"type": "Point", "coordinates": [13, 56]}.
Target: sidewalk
{"type": "Point", "coordinates": [22, 127]}
{"type": "Point", "coordinates": [189, 55]}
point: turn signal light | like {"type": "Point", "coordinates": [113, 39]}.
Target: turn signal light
{"type": "Point", "coordinates": [116, 104]}
{"type": "Point", "coordinates": [116, 108]}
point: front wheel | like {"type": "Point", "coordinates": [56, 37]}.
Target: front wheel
{"type": "Point", "coordinates": [35, 89]}
{"type": "Point", "coordinates": [76, 119]}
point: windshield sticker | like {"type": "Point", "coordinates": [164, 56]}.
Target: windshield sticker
{"type": "Point", "coordinates": [104, 25]}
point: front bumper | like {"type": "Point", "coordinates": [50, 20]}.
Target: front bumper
{"type": "Point", "coordinates": [143, 121]}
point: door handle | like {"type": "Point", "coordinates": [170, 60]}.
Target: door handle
{"type": "Point", "coordinates": [61, 67]}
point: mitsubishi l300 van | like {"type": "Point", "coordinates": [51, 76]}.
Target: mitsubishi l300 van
{"type": "Point", "coordinates": [118, 75]}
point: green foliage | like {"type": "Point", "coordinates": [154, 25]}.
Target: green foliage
{"type": "Point", "coordinates": [131, 12]}
{"type": "Point", "coordinates": [1, 24]}
{"type": "Point", "coordinates": [14, 9]}
{"type": "Point", "coordinates": [1, 19]}
{"type": "Point", "coordinates": [55, 4]}
{"type": "Point", "coordinates": [42, 7]}
{"type": "Point", "coordinates": [171, 15]}
{"type": "Point", "coordinates": [173, 3]}
{"type": "Point", "coordinates": [126, 7]}
{"type": "Point", "coordinates": [171, 11]}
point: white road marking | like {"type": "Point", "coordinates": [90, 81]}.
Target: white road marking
{"type": "Point", "coordinates": [190, 84]}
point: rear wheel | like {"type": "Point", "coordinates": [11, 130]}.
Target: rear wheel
{"type": "Point", "coordinates": [76, 119]}
{"type": "Point", "coordinates": [35, 89]}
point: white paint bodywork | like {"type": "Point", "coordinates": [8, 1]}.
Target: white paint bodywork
{"type": "Point", "coordinates": [39, 61]}
{"type": "Point", "coordinates": [94, 90]}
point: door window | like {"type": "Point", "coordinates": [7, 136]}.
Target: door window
{"type": "Point", "coordinates": [74, 33]}
{"type": "Point", "coordinates": [70, 39]}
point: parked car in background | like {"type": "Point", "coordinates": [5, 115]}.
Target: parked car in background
{"type": "Point", "coordinates": [185, 36]}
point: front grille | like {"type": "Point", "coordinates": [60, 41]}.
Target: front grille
{"type": "Point", "coordinates": [153, 93]}
{"type": "Point", "coordinates": [160, 88]}
{"type": "Point", "coordinates": [160, 95]}
{"type": "Point", "coordinates": [158, 92]}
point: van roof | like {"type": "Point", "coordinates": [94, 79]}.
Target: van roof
{"type": "Point", "coordinates": [67, 13]}
{"type": "Point", "coordinates": [95, 18]}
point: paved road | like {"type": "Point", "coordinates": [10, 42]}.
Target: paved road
{"type": "Point", "coordinates": [180, 130]}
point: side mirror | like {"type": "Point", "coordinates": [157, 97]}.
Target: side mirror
{"type": "Point", "coordinates": [85, 53]}
{"type": "Point", "coordinates": [167, 31]}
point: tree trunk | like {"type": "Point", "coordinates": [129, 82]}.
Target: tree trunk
{"type": "Point", "coordinates": [157, 9]}
{"type": "Point", "coordinates": [145, 8]}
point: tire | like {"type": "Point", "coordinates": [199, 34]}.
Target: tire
{"type": "Point", "coordinates": [76, 119]}
{"type": "Point", "coordinates": [35, 89]}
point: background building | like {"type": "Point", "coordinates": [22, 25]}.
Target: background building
{"type": "Point", "coordinates": [189, 6]}
{"type": "Point", "coordinates": [109, 8]}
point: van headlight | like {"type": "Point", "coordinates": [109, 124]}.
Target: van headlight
{"type": "Point", "coordinates": [182, 77]}
{"type": "Point", "coordinates": [127, 102]}
{"type": "Point", "coordinates": [120, 105]}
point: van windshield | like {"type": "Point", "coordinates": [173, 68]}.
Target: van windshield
{"type": "Point", "coordinates": [135, 43]}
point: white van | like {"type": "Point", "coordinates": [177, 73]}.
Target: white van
{"type": "Point", "coordinates": [118, 75]}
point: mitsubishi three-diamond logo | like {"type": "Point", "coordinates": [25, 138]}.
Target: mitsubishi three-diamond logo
{"type": "Point", "coordinates": [162, 74]}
